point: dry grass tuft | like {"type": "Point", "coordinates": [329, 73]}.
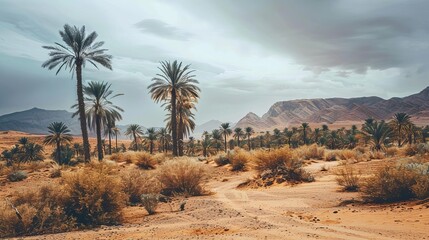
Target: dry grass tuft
{"type": "Point", "coordinates": [348, 178]}
{"type": "Point", "coordinates": [182, 176]}
{"type": "Point", "coordinates": [397, 183]}
{"type": "Point", "coordinates": [144, 160]}
{"type": "Point", "coordinates": [272, 160]}
{"type": "Point", "coordinates": [222, 159]}
{"type": "Point", "coordinates": [135, 183]}
{"type": "Point", "coordinates": [240, 159]}
{"type": "Point", "coordinates": [310, 152]}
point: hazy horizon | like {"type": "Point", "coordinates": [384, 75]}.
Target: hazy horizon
{"type": "Point", "coordinates": [247, 54]}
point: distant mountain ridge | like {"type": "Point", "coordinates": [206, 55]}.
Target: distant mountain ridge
{"type": "Point", "coordinates": [333, 110]}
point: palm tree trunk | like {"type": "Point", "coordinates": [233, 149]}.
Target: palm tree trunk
{"type": "Point", "coordinates": [110, 143]}
{"type": "Point", "coordinates": [99, 144]}
{"type": "Point", "coordinates": [238, 141]}
{"type": "Point", "coordinates": [180, 136]}
{"type": "Point", "coordinates": [59, 152]}
{"type": "Point", "coordinates": [174, 121]}
{"type": "Point", "coordinates": [225, 143]}
{"type": "Point", "coordinates": [82, 117]}
{"type": "Point", "coordinates": [151, 147]}
{"type": "Point", "coordinates": [248, 142]}
{"type": "Point", "coordinates": [135, 142]}
{"type": "Point", "coordinates": [116, 136]}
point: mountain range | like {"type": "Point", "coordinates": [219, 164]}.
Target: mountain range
{"type": "Point", "coordinates": [331, 111]}
{"type": "Point", "coordinates": [340, 111]}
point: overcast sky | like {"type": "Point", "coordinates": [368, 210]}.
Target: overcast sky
{"type": "Point", "coordinates": [247, 54]}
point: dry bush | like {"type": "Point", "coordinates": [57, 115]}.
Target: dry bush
{"type": "Point", "coordinates": [222, 159]}
{"type": "Point", "coordinates": [422, 148]}
{"type": "Point", "coordinates": [410, 150]}
{"type": "Point", "coordinates": [34, 166]}
{"type": "Point", "coordinates": [94, 197]}
{"type": "Point", "coordinates": [160, 157]}
{"type": "Point", "coordinates": [17, 176]}
{"type": "Point", "coordinates": [55, 172]}
{"type": "Point", "coordinates": [360, 149]}
{"type": "Point", "coordinates": [144, 160]}
{"type": "Point", "coordinates": [41, 211]}
{"type": "Point", "coordinates": [126, 157]}
{"type": "Point", "coordinates": [392, 152]}
{"type": "Point", "coordinates": [135, 183]}
{"type": "Point", "coordinates": [310, 152]}
{"type": "Point", "coordinates": [4, 170]}
{"type": "Point", "coordinates": [150, 202]}
{"type": "Point", "coordinates": [348, 178]}
{"type": "Point", "coordinates": [240, 159]}
{"type": "Point", "coordinates": [272, 160]}
{"type": "Point", "coordinates": [182, 176]}
{"type": "Point", "coordinates": [397, 183]}
{"type": "Point", "coordinates": [280, 165]}
{"type": "Point", "coordinates": [332, 156]}
{"type": "Point", "coordinates": [376, 155]}
{"type": "Point", "coordinates": [347, 154]}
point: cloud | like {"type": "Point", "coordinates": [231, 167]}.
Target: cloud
{"type": "Point", "coordinates": [162, 29]}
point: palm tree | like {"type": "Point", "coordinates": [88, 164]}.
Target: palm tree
{"type": "Point", "coordinates": [78, 50]}
{"type": "Point", "coordinates": [289, 135]}
{"type": "Point", "coordinates": [217, 139]}
{"type": "Point", "coordinates": [77, 148]}
{"type": "Point", "coordinates": [100, 109]}
{"type": "Point", "coordinates": [173, 80]}
{"type": "Point", "coordinates": [277, 137]}
{"type": "Point", "coordinates": [31, 152]}
{"type": "Point", "coordinates": [59, 133]}
{"type": "Point", "coordinates": [163, 138]}
{"type": "Point", "coordinates": [151, 136]}
{"type": "Point", "coordinates": [316, 135]}
{"type": "Point", "coordinates": [225, 130]}
{"type": "Point", "coordinates": [134, 131]}
{"type": "Point", "coordinates": [109, 130]}
{"type": "Point", "coordinates": [117, 132]}
{"type": "Point", "coordinates": [238, 132]}
{"type": "Point", "coordinates": [304, 127]}
{"type": "Point", "coordinates": [378, 132]}
{"type": "Point", "coordinates": [398, 123]}
{"type": "Point", "coordinates": [249, 131]}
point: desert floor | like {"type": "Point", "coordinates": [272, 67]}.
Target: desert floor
{"type": "Point", "coordinates": [317, 210]}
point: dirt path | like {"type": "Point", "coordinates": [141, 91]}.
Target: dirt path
{"type": "Point", "coordinates": [304, 211]}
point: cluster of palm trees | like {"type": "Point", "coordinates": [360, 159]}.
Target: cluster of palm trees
{"type": "Point", "coordinates": [379, 133]}
{"type": "Point", "coordinates": [23, 151]}
{"type": "Point", "coordinates": [149, 139]}
{"type": "Point", "coordinates": [175, 86]}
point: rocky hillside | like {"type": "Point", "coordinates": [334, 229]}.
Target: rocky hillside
{"type": "Point", "coordinates": [334, 110]}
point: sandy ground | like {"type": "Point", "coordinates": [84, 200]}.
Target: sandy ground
{"type": "Point", "coordinates": [315, 210]}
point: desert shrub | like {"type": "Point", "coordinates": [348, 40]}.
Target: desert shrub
{"type": "Point", "coordinates": [331, 156]}
{"type": "Point", "coordinates": [94, 197]}
{"type": "Point", "coordinates": [280, 164]}
{"type": "Point", "coordinates": [240, 159]}
{"type": "Point", "coordinates": [348, 178]}
{"type": "Point", "coordinates": [144, 160]}
{"type": "Point", "coordinates": [347, 154]}
{"type": "Point", "coordinates": [55, 172]}
{"type": "Point", "coordinates": [272, 160]}
{"type": "Point", "coordinates": [182, 176]}
{"type": "Point", "coordinates": [17, 176]}
{"type": "Point", "coordinates": [422, 148]}
{"type": "Point", "coordinates": [159, 157]}
{"type": "Point", "coordinates": [39, 211]}
{"type": "Point", "coordinates": [222, 159]}
{"type": "Point", "coordinates": [150, 202]}
{"type": "Point", "coordinates": [311, 152]}
{"type": "Point", "coordinates": [376, 155]}
{"type": "Point", "coordinates": [4, 170]}
{"type": "Point", "coordinates": [122, 157]}
{"type": "Point", "coordinates": [392, 152]}
{"type": "Point", "coordinates": [396, 183]}
{"type": "Point", "coordinates": [360, 149]}
{"type": "Point", "coordinates": [410, 150]}
{"type": "Point", "coordinates": [134, 183]}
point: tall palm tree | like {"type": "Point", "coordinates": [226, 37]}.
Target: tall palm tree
{"type": "Point", "coordinates": [117, 132]}
{"type": "Point", "coordinates": [225, 130]}
{"type": "Point", "coordinates": [238, 132]}
{"type": "Point", "coordinates": [100, 109]}
{"type": "Point", "coordinates": [163, 138]}
{"type": "Point", "coordinates": [134, 131]}
{"type": "Point", "coordinates": [59, 133]}
{"type": "Point", "coordinates": [217, 139]}
{"type": "Point", "coordinates": [398, 123]}
{"type": "Point", "coordinates": [304, 127]}
{"type": "Point", "coordinates": [249, 131]}
{"type": "Point", "coordinates": [151, 136]}
{"type": "Point", "coordinates": [378, 132]}
{"type": "Point", "coordinates": [78, 49]}
{"type": "Point", "coordinates": [173, 80]}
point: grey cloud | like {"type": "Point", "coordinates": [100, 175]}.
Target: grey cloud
{"type": "Point", "coordinates": [162, 29]}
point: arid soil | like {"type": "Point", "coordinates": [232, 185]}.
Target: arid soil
{"type": "Point", "coordinates": [317, 210]}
